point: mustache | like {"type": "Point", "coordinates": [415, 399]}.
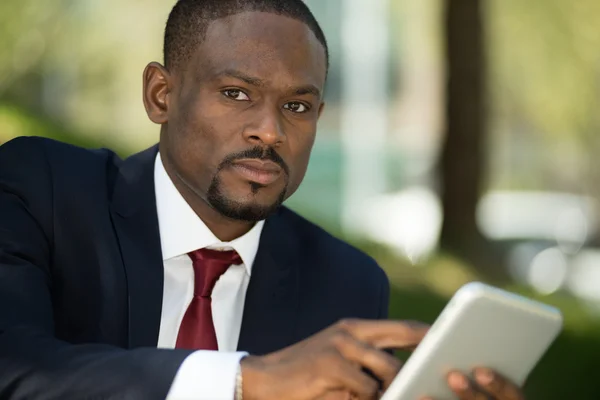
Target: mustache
{"type": "Point", "coordinates": [259, 153]}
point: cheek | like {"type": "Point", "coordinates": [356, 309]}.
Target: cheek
{"type": "Point", "coordinates": [300, 161]}
{"type": "Point", "coordinates": [194, 145]}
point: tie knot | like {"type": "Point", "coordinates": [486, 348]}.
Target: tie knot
{"type": "Point", "coordinates": [209, 265]}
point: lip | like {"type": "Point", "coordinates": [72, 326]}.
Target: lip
{"type": "Point", "coordinates": [259, 171]}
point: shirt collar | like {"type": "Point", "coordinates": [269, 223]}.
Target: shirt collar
{"type": "Point", "coordinates": [182, 231]}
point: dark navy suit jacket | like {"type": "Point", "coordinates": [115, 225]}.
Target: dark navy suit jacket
{"type": "Point", "coordinates": [81, 277]}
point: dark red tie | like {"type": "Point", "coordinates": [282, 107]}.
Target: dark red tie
{"type": "Point", "coordinates": [197, 331]}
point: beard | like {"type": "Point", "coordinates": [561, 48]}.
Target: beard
{"type": "Point", "coordinates": [248, 211]}
{"type": "Point", "coordinates": [238, 210]}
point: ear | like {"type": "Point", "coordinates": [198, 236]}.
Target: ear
{"type": "Point", "coordinates": [157, 88]}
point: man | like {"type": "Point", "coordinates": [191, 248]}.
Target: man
{"type": "Point", "coordinates": [186, 247]}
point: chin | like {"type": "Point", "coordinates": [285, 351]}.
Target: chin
{"type": "Point", "coordinates": [246, 212]}
{"type": "Point", "coordinates": [243, 209]}
{"type": "Point", "coordinates": [249, 203]}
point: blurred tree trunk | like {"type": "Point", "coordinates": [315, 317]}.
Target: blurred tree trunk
{"type": "Point", "coordinates": [463, 161]}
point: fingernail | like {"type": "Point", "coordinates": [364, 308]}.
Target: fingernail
{"type": "Point", "coordinates": [484, 376]}
{"type": "Point", "coordinates": [458, 381]}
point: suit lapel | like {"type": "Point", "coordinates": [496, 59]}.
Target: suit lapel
{"type": "Point", "coordinates": [135, 220]}
{"type": "Point", "coordinates": [270, 309]}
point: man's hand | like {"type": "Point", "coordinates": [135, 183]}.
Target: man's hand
{"type": "Point", "coordinates": [331, 362]}
{"type": "Point", "coordinates": [488, 385]}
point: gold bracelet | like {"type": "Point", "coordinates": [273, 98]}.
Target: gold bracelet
{"type": "Point", "coordinates": [239, 393]}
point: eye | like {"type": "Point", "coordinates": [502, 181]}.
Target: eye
{"type": "Point", "coordinates": [235, 94]}
{"type": "Point", "coordinates": [297, 107]}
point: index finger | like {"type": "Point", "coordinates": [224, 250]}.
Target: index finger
{"type": "Point", "coordinates": [386, 334]}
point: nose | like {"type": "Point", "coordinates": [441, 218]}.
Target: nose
{"type": "Point", "coordinates": [265, 130]}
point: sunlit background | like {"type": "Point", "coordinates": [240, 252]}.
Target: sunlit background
{"type": "Point", "coordinates": [443, 177]}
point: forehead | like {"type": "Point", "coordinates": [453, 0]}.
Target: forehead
{"type": "Point", "coordinates": [269, 46]}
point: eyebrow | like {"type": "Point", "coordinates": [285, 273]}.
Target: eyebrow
{"type": "Point", "coordinates": [250, 80]}
{"type": "Point", "coordinates": [308, 89]}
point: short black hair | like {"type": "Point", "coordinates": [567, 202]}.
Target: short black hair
{"type": "Point", "coordinates": [189, 20]}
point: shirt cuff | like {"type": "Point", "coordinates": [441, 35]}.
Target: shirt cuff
{"type": "Point", "coordinates": [206, 375]}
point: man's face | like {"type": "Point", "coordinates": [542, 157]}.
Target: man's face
{"type": "Point", "coordinates": [243, 112]}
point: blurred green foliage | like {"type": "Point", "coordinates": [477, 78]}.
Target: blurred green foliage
{"type": "Point", "coordinates": [16, 121]}
{"type": "Point", "coordinates": [544, 69]}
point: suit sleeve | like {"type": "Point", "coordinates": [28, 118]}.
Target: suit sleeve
{"type": "Point", "coordinates": [384, 297]}
{"type": "Point", "coordinates": [34, 364]}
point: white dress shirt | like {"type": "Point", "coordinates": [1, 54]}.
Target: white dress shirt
{"type": "Point", "coordinates": [204, 375]}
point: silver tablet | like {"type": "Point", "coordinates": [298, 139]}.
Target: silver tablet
{"type": "Point", "coordinates": [481, 326]}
